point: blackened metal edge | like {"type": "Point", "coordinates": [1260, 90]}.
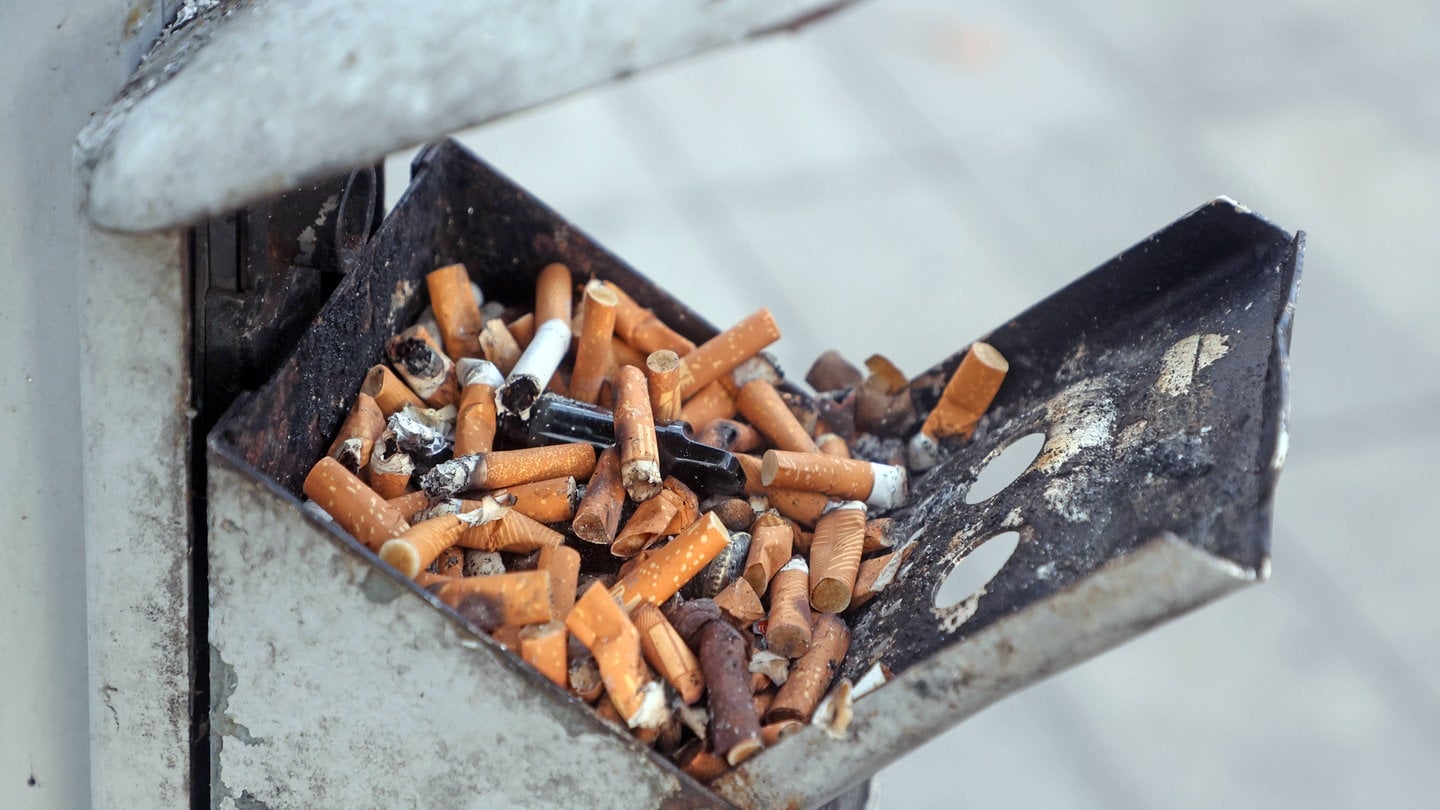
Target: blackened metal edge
{"type": "Point", "coordinates": [1156, 379]}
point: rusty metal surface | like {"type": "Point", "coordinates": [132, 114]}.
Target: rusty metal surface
{"type": "Point", "coordinates": [1159, 380]}
{"type": "Point", "coordinates": [257, 97]}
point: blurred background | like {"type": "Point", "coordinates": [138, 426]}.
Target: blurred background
{"type": "Point", "coordinates": [900, 179]}
{"type": "Point", "coordinates": [910, 173]}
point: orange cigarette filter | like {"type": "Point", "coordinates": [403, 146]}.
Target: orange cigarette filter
{"type": "Point", "coordinates": [775, 732]}
{"type": "Point", "coordinates": [456, 310]}
{"type": "Point", "coordinates": [771, 542]}
{"type": "Point", "coordinates": [635, 435]}
{"type": "Point", "coordinates": [835, 557]}
{"type": "Point", "coordinates": [640, 328]}
{"type": "Point", "coordinates": [760, 403]}
{"type": "Point", "coordinates": [418, 546]}
{"type": "Point", "coordinates": [788, 631]}
{"type": "Point", "coordinates": [549, 501]}
{"type": "Point", "coordinates": [451, 562]}
{"type": "Point", "coordinates": [409, 503]}
{"type": "Point", "coordinates": [562, 563]}
{"type": "Point", "coordinates": [500, 600]}
{"type": "Point", "coordinates": [598, 622]}
{"type": "Point", "coordinates": [831, 444]}
{"type": "Point", "coordinates": [552, 294]}
{"type": "Point", "coordinates": [523, 329]}
{"type": "Point", "coordinates": [662, 372]}
{"type": "Point", "coordinates": [511, 532]}
{"type": "Point", "coordinates": [423, 365]}
{"type": "Point", "coordinates": [811, 675]}
{"type": "Point", "coordinates": [700, 763]}
{"type": "Point", "coordinates": [968, 394]}
{"type": "Point", "coordinates": [598, 515]}
{"type": "Point", "coordinates": [877, 573]}
{"type": "Point", "coordinates": [499, 346]}
{"type": "Point", "coordinates": [802, 507]}
{"type": "Point", "coordinates": [389, 391]}
{"type": "Point", "coordinates": [507, 468]}
{"type": "Point", "coordinates": [667, 570]}
{"type": "Point", "coordinates": [475, 420]}
{"type": "Point", "coordinates": [646, 525]}
{"type": "Point", "coordinates": [354, 506]}
{"type": "Point", "coordinates": [667, 652]}
{"type": "Point", "coordinates": [711, 403]}
{"type": "Point", "coordinates": [543, 646]}
{"type": "Point", "coordinates": [357, 435]}
{"type": "Point", "coordinates": [725, 351]}
{"type": "Point", "coordinates": [814, 472]}
{"type": "Point", "coordinates": [592, 356]}
{"type": "Point", "coordinates": [739, 601]}
{"type": "Point", "coordinates": [879, 533]}
{"type": "Point", "coordinates": [425, 579]}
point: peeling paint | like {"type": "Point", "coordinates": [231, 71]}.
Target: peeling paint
{"type": "Point", "coordinates": [1188, 357]}
{"type": "Point", "coordinates": [1082, 416]}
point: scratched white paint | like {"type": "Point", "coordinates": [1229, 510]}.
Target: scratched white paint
{"type": "Point", "coordinates": [1082, 416]}
{"type": "Point", "coordinates": [1186, 358]}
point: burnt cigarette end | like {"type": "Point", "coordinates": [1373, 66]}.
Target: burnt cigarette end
{"type": "Point", "coordinates": [449, 478]}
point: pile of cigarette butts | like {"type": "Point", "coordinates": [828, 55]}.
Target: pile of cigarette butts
{"type": "Point", "coordinates": [670, 532]}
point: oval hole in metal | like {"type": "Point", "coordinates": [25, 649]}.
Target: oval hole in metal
{"type": "Point", "coordinates": [1002, 470]}
{"type": "Point", "coordinates": [973, 571]}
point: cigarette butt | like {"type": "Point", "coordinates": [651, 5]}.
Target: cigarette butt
{"type": "Point", "coordinates": [500, 600]}
{"type": "Point", "coordinates": [739, 601]}
{"type": "Point", "coordinates": [800, 506]}
{"type": "Point", "coordinates": [662, 373]}
{"type": "Point", "coordinates": [389, 391]}
{"type": "Point", "coordinates": [835, 557]}
{"type": "Point", "coordinates": [831, 372]}
{"type": "Point", "coordinates": [788, 630]}
{"type": "Point", "coordinates": [451, 562]}
{"type": "Point", "coordinates": [725, 351]}
{"type": "Point", "coordinates": [811, 675]}
{"type": "Point", "coordinates": [772, 733]}
{"type": "Point", "coordinates": [736, 513]}
{"type": "Point", "coordinates": [881, 413]}
{"type": "Point", "coordinates": [720, 572]}
{"type": "Point", "coordinates": [507, 636]}
{"type": "Point", "coordinates": [535, 370]}
{"type": "Point", "coordinates": [543, 646]}
{"type": "Point", "coordinates": [562, 563]}
{"type": "Point", "coordinates": [390, 468]}
{"type": "Point", "coordinates": [879, 534]}
{"type": "Point", "coordinates": [357, 434]}
{"type": "Point", "coordinates": [523, 329]}
{"type": "Point", "coordinates": [882, 486]}
{"type": "Point", "coordinates": [771, 542]}
{"type": "Point", "coordinates": [475, 421]}
{"type": "Point", "coordinates": [409, 503]}
{"type": "Point", "coordinates": [667, 653]}
{"type": "Point", "coordinates": [354, 506]}
{"type": "Point", "coordinates": [759, 367]}
{"type": "Point", "coordinates": [832, 444]}
{"type": "Point", "coordinates": [968, 394]}
{"type": "Point", "coordinates": [690, 617]}
{"type": "Point", "coordinates": [877, 573]}
{"type": "Point", "coordinates": [499, 346]}
{"type": "Point", "coordinates": [553, 293]}
{"type": "Point", "coordinates": [551, 500]}
{"type": "Point", "coordinates": [687, 505]}
{"type": "Point", "coordinates": [646, 526]}
{"type": "Point", "coordinates": [835, 712]}
{"type": "Point", "coordinates": [760, 403]}
{"type": "Point", "coordinates": [418, 546]}
{"type": "Point", "coordinates": [456, 310]}
{"type": "Point", "coordinates": [663, 574]}
{"type": "Point", "coordinates": [635, 435]}
{"type": "Point", "coordinates": [599, 623]}
{"type": "Point", "coordinates": [640, 328]}
{"type": "Point", "coordinates": [584, 679]}
{"type": "Point", "coordinates": [424, 367]}
{"type": "Point", "coordinates": [700, 763]}
{"type": "Point", "coordinates": [710, 403]}
{"type": "Point", "coordinates": [622, 354]}
{"type": "Point", "coordinates": [734, 724]}
{"type": "Point", "coordinates": [598, 515]}
{"type": "Point", "coordinates": [506, 468]}
{"type": "Point", "coordinates": [761, 692]}
{"type": "Point", "coordinates": [803, 539]}
{"type": "Point", "coordinates": [511, 532]}
{"type": "Point", "coordinates": [729, 435]}
{"type": "Point", "coordinates": [426, 579]}
{"type": "Point", "coordinates": [592, 356]}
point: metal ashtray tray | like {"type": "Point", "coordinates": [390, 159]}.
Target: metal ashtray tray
{"type": "Point", "coordinates": [1158, 381]}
